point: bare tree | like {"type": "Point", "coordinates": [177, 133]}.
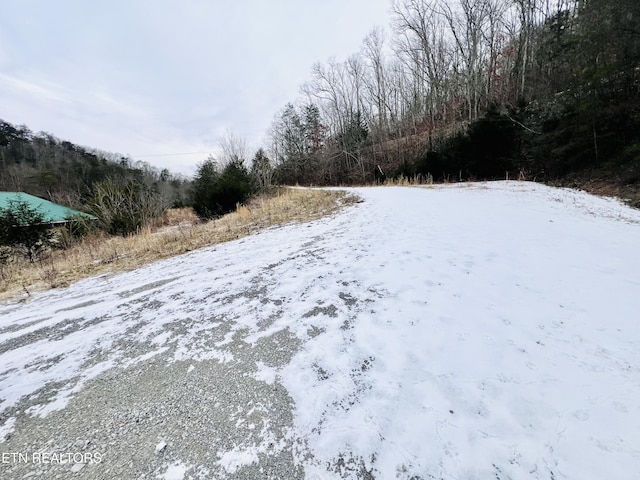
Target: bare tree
{"type": "Point", "coordinates": [375, 80]}
{"type": "Point", "coordinates": [422, 45]}
{"type": "Point", "coordinates": [527, 16]}
{"type": "Point", "coordinates": [467, 19]}
{"type": "Point", "coordinates": [233, 149]}
{"type": "Point", "coordinates": [331, 87]}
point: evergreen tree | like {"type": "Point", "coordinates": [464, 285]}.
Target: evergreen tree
{"type": "Point", "coordinates": [24, 227]}
{"type": "Point", "coordinates": [261, 170]}
{"type": "Point", "coordinates": [218, 193]}
{"type": "Point", "coordinates": [204, 188]}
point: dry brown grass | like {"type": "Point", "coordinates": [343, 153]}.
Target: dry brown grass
{"type": "Point", "coordinates": [629, 194]}
{"type": "Point", "coordinates": [179, 232]}
{"type": "Point", "coordinates": [413, 181]}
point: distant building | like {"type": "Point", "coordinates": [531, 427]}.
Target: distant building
{"type": "Point", "coordinates": [53, 213]}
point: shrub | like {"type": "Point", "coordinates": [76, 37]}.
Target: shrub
{"type": "Point", "coordinates": [77, 227]}
{"type": "Point", "coordinates": [124, 208]}
{"type": "Point", "coordinates": [6, 253]}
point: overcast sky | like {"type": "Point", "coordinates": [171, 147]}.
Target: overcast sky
{"type": "Point", "coordinates": [149, 77]}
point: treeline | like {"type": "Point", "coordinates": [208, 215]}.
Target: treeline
{"type": "Point", "coordinates": [466, 89]}
{"type": "Point", "coordinates": [58, 170]}
{"type": "Point", "coordinates": [123, 195]}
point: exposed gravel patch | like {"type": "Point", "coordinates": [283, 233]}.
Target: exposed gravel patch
{"type": "Point", "coordinates": [140, 420]}
{"type": "Point", "coordinates": [165, 380]}
{"type": "Point", "coordinates": [154, 415]}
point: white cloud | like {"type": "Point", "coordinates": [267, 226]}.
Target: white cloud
{"type": "Point", "coordinates": [45, 91]}
{"type": "Point", "coordinates": [144, 77]}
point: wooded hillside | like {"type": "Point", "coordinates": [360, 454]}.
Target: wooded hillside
{"type": "Point", "coordinates": [58, 170]}
{"type": "Point", "coordinates": [464, 89]}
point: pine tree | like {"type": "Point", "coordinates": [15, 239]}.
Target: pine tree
{"type": "Point", "coordinates": [24, 227]}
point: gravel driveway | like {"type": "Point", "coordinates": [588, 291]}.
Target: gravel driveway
{"type": "Point", "coordinates": [464, 331]}
{"type": "Point", "coordinates": [166, 372]}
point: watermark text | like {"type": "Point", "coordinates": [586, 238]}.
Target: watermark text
{"type": "Point", "coordinates": [50, 457]}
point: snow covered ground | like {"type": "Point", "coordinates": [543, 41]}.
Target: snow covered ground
{"type": "Point", "coordinates": [453, 332]}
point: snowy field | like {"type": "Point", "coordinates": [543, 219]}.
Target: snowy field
{"type": "Point", "coordinates": [484, 331]}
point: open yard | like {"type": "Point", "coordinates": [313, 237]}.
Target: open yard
{"type": "Point", "coordinates": [467, 331]}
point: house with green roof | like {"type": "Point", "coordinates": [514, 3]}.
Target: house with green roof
{"type": "Point", "coordinates": [53, 213]}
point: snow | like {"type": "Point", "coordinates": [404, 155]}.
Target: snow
{"type": "Point", "coordinates": [175, 471]}
{"type": "Point", "coordinates": [464, 331]}
{"type": "Point", "coordinates": [266, 373]}
{"type": "Point", "coordinates": [161, 446]}
{"type": "Point", "coordinates": [233, 459]}
{"type": "Point", "coordinates": [7, 428]}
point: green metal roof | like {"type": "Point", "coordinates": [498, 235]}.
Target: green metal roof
{"type": "Point", "coordinates": [53, 213]}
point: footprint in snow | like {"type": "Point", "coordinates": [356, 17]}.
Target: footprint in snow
{"type": "Point", "coordinates": [581, 415]}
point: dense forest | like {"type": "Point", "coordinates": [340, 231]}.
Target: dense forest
{"type": "Point", "coordinates": [475, 89]}
{"type": "Point", "coordinates": [60, 171]}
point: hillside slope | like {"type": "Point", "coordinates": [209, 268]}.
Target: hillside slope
{"type": "Point", "coordinates": [460, 331]}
